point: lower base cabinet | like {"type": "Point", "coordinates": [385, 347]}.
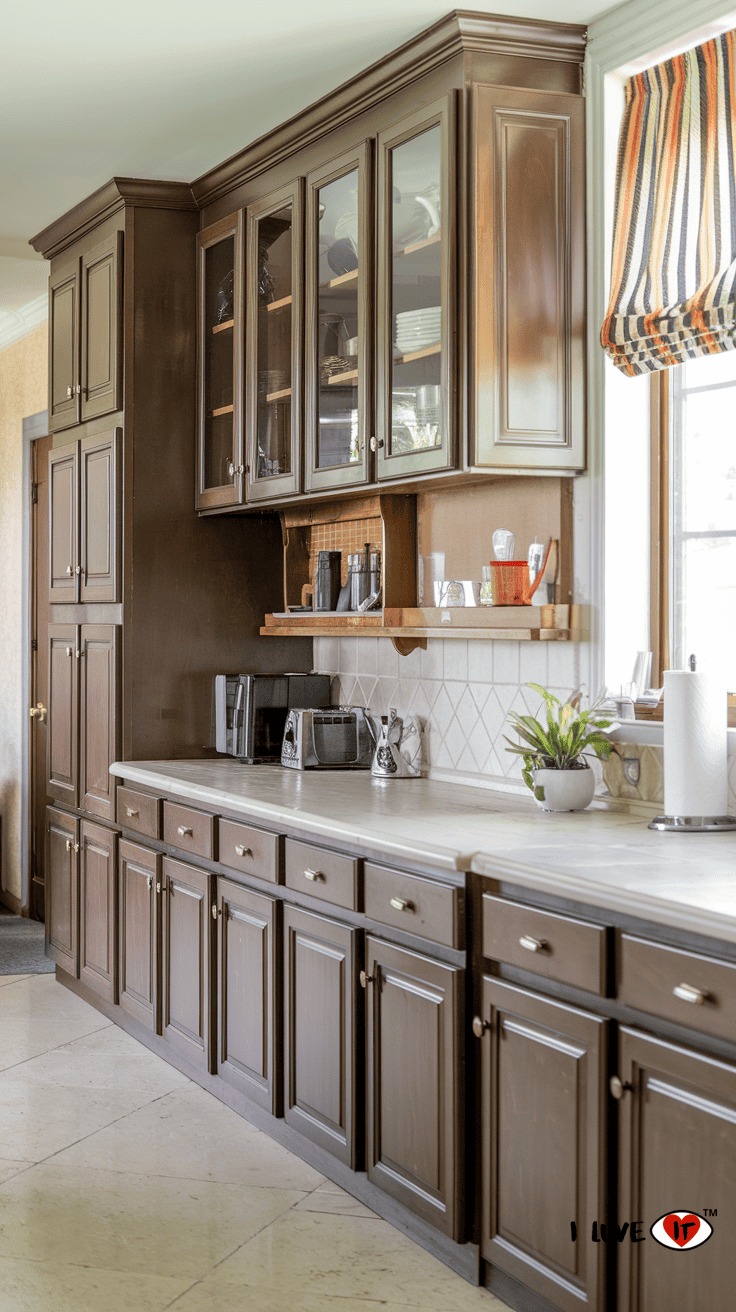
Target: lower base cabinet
{"type": "Point", "coordinates": [62, 890]}
{"type": "Point", "coordinates": [414, 1064]}
{"type": "Point", "coordinates": [186, 961]}
{"type": "Point", "coordinates": [320, 1031]}
{"type": "Point", "coordinates": [248, 1002]}
{"type": "Point", "coordinates": [139, 889]}
{"type": "Point", "coordinates": [97, 910]}
{"type": "Point", "coordinates": [677, 1153]}
{"type": "Point", "coordinates": [544, 1145]}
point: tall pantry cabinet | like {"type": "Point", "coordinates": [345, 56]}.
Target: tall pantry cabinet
{"type": "Point", "coordinates": [147, 602]}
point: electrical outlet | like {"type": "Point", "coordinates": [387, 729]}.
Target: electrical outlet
{"type": "Point", "coordinates": [632, 769]}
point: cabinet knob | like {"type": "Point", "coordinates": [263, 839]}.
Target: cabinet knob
{"type": "Point", "coordinates": [686, 993]}
{"type": "Point", "coordinates": [184, 830]}
{"type": "Point", "coordinates": [38, 712]}
{"type": "Point", "coordinates": [618, 1087]}
{"type": "Point", "coordinates": [68, 651]}
{"type": "Point", "coordinates": [243, 851]}
{"type": "Point", "coordinates": [158, 886]}
{"type": "Point", "coordinates": [215, 911]}
{"type": "Point", "coordinates": [149, 882]}
{"type": "Point", "coordinates": [315, 876]}
{"type": "Point", "coordinates": [69, 393]}
{"type": "Point", "coordinates": [77, 569]}
{"type": "Point", "coordinates": [131, 811]}
{"type": "Point", "coordinates": [401, 904]}
{"type": "Point", "coordinates": [376, 443]}
{"type": "Point", "coordinates": [70, 569]}
{"type": "Point", "coordinates": [69, 844]}
{"type": "Point", "coordinates": [365, 979]}
{"type": "Point", "coordinates": [532, 944]}
{"type": "Point", "coordinates": [479, 1026]}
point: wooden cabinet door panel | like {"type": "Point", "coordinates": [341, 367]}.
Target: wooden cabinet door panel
{"type": "Point", "coordinates": [186, 958]}
{"type": "Point", "coordinates": [413, 1038]}
{"type": "Point", "coordinates": [246, 992]}
{"type": "Point", "coordinates": [98, 719]}
{"type": "Point", "coordinates": [139, 880]}
{"type": "Point", "coordinates": [320, 1031]}
{"type": "Point", "coordinates": [530, 280]}
{"type": "Point", "coordinates": [63, 524]}
{"type": "Point", "coordinates": [543, 1144]}
{"type": "Point", "coordinates": [99, 460]}
{"type": "Point", "coordinates": [62, 890]}
{"type": "Point", "coordinates": [64, 346]}
{"type": "Point", "coordinates": [97, 909]}
{"type": "Point", "coordinates": [101, 336]}
{"type": "Point", "coordinates": [677, 1153]}
{"type": "Point", "coordinates": [62, 778]}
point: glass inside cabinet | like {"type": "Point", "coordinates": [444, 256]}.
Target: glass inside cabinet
{"type": "Point", "coordinates": [415, 250]}
{"type": "Point", "coordinates": [220, 347]}
{"type": "Point", "coordinates": [274, 254]}
{"type": "Point", "coordinates": [337, 346]}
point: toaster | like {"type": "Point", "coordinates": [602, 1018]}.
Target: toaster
{"type": "Point", "coordinates": [331, 738]}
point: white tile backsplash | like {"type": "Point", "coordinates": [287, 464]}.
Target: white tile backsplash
{"type": "Point", "coordinates": [462, 689]}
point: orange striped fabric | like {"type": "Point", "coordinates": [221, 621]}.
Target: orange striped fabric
{"type": "Point", "coordinates": [673, 265]}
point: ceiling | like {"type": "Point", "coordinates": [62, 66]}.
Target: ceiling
{"type": "Point", "coordinates": [169, 88]}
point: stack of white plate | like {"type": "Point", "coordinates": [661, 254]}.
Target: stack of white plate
{"type": "Point", "coordinates": [416, 329]}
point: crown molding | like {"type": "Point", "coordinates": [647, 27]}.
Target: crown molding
{"type": "Point", "coordinates": [15, 324]}
{"type": "Point", "coordinates": [115, 195]}
{"type": "Point", "coordinates": [458, 32]}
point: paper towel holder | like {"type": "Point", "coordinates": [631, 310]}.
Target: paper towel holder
{"type": "Point", "coordinates": [693, 824]}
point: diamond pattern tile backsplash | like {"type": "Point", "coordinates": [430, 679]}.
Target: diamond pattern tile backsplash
{"type": "Point", "coordinates": [464, 690]}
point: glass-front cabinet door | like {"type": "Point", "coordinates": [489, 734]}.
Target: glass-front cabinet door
{"type": "Point", "coordinates": [273, 344]}
{"type": "Point", "coordinates": [415, 320]}
{"type": "Point", "coordinates": [338, 322]}
{"type": "Point", "coordinates": [220, 476]}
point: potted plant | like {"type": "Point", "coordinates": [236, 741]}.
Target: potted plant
{"type": "Point", "coordinates": [555, 769]}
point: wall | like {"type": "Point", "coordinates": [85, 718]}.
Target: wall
{"type": "Point", "coordinates": [22, 393]}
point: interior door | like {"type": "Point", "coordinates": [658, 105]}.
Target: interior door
{"type": "Point", "coordinates": [99, 498]}
{"type": "Point", "coordinates": [64, 385]}
{"type": "Point", "coordinates": [62, 741]}
{"type": "Point", "coordinates": [101, 336]}
{"type": "Point", "coordinates": [99, 724]}
{"type": "Point", "coordinates": [39, 670]}
{"type": "Point", "coordinates": [63, 531]}
{"type": "Point", "coordinates": [97, 909]}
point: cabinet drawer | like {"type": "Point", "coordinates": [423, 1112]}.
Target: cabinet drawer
{"type": "Point", "coordinates": [252, 851]}
{"type": "Point", "coordinates": [558, 947]}
{"type": "Point", "coordinates": [139, 811]}
{"type": "Point", "coordinates": [420, 906]}
{"type": "Point", "coordinates": [190, 830]}
{"type": "Point", "coordinates": [326, 875]}
{"type": "Point", "coordinates": [679, 986]}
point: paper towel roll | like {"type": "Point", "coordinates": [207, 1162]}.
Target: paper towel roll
{"type": "Point", "coordinates": [695, 744]}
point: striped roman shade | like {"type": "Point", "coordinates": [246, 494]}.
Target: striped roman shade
{"type": "Point", "coordinates": [673, 266]}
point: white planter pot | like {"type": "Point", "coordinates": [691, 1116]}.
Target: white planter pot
{"type": "Point", "coordinates": [565, 790]}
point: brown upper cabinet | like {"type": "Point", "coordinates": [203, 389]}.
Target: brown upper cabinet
{"type": "Point", "coordinates": [529, 284]}
{"type": "Point", "coordinates": [84, 520]}
{"type": "Point", "coordinates": [85, 348]}
{"type": "Point", "coordinates": [221, 305]}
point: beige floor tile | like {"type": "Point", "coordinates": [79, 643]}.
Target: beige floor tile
{"type": "Point", "coordinates": [51, 1287]}
{"type": "Point", "coordinates": [189, 1134]}
{"type": "Point", "coordinates": [39, 1014]}
{"type": "Point", "coordinates": [333, 1200]}
{"type": "Point", "coordinates": [10, 979]}
{"type": "Point", "coordinates": [11, 1166]}
{"type": "Point", "coordinates": [124, 1222]}
{"type": "Point", "coordinates": [108, 1059]}
{"type": "Point", "coordinates": [346, 1257]}
{"type": "Point", "coordinates": [207, 1297]}
{"type": "Point", "coordinates": [37, 1120]}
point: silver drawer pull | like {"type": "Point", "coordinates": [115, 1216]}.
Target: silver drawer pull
{"type": "Point", "coordinates": [243, 851]}
{"type": "Point", "coordinates": [183, 830]}
{"type": "Point", "coordinates": [532, 944]}
{"type": "Point", "coordinates": [316, 876]}
{"type": "Point", "coordinates": [129, 810]}
{"type": "Point", "coordinates": [401, 904]}
{"type": "Point", "coordinates": [688, 994]}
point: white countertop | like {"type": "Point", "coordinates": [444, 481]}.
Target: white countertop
{"type": "Point", "coordinates": [606, 858]}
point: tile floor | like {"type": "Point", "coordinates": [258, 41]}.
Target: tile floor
{"type": "Point", "coordinates": [124, 1187]}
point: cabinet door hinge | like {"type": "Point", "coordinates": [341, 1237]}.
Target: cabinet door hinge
{"type": "Point", "coordinates": [34, 494]}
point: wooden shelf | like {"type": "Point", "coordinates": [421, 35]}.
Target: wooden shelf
{"type": "Point", "coordinates": [419, 245]}
{"type": "Point", "coordinates": [223, 327]}
{"type": "Point", "coordinates": [278, 305]}
{"type": "Point", "coordinates": [278, 396]}
{"type": "Point", "coordinates": [349, 376]}
{"type": "Point", "coordinates": [434, 349]}
{"type": "Point", "coordinates": [342, 280]}
{"type": "Point", "coordinates": [479, 624]}
{"type": "Point", "coordinates": [223, 410]}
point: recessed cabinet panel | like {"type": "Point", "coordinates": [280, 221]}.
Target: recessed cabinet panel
{"type": "Point", "coordinates": [98, 718]}
{"type": "Point", "coordinates": [97, 909]}
{"type": "Point", "coordinates": [338, 346]}
{"type": "Point", "coordinates": [139, 881]}
{"type": "Point", "coordinates": [186, 958]}
{"type": "Point", "coordinates": [414, 1143]}
{"type": "Point", "coordinates": [101, 306]}
{"type": "Point", "coordinates": [529, 288]}
{"type": "Point", "coordinates": [246, 992]}
{"type": "Point", "coordinates": [677, 1134]}
{"type": "Point", "coordinates": [64, 346]}
{"type": "Point", "coordinates": [274, 344]}
{"type": "Point", "coordinates": [99, 467]}
{"type": "Point", "coordinates": [63, 524]}
{"type": "Point", "coordinates": [416, 367]}
{"type": "Point", "coordinates": [543, 1095]}
{"type": "Point", "coordinates": [62, 890]}
{"type": "Point", "coordinates": [220, 347]}
{"type": "Point", "coordinates": [62, 740]}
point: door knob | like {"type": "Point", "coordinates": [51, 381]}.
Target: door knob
{"type": "Point", "coordinates": [480, 1026]}
{"type": "Point", "coordinates": [618, 1087]}
{"type": "Point", "coordinates": [38, 712]}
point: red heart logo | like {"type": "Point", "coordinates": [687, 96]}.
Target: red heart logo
{"type": "Point", "coordinates": [681, 1228]}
